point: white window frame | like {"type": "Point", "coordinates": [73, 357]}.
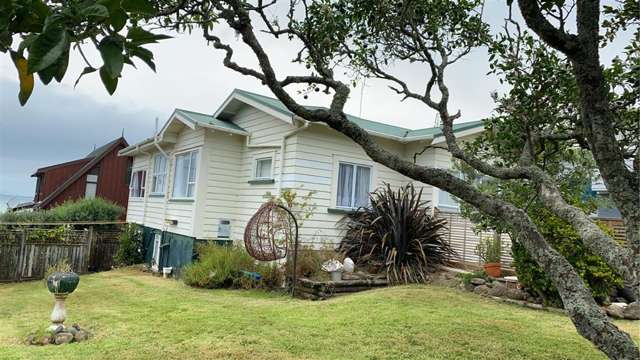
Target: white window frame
{"type": "Point", "coordinates": [156, 175]}
{"type": "Point", "coordinates": [336, 177]}
{"type": "Point", "coordinates": [142, 187]}
{"type": "Point", "coordinates": [195, 176]}
{"type": "Point", "coordinates": [255, 167]}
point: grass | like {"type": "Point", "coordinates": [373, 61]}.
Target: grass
{"type": "Point", "coordinates": [134, 315]}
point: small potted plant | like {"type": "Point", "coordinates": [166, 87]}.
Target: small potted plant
{"type": "Point", "coordinates": [489, 250]}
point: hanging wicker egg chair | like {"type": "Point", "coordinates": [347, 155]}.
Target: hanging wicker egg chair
{"type": "Point", "coordinates": [269, 232]}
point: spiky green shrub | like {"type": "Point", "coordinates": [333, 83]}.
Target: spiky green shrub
{"type": "Point", "coordinates": [396, 234]}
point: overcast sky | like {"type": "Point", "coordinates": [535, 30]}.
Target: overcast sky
{"type": "Point", "coordinates": [62, 123]}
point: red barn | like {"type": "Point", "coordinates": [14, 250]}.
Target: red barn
{"type": "Point", "coordinates": [102, 173]}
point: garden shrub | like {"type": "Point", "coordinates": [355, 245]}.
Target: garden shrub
{"type": "Point", "coordinates": [88, 210]}
{"type": "Point", "coordinates": [131, 246]}
{"type": "Point", "coordinates": [599, 277]}
{"type": "Point", "coordinates": [272, 275]}
{"type": "Point", "coordinates": [229, 266]}
{"type": "Point", "coordinates": [396, 235]}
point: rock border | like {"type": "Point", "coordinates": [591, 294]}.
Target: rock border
{"type": "Point", "coordinates": [60, 336]}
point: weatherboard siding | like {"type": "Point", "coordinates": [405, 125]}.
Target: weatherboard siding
{"type": "Point", "coordinates": [264, 128]}
{"type": "Point", "coordinates": [155, 210]}
{"type": "Point", "coordinates": [136, 206]}
{"type": "Point", "coordinates": [219, 193]}
{"type": "Point", "coordinates": [312, 166]}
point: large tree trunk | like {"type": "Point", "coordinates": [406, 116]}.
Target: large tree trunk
{"type": "Point", "coordinates": [597, 118]}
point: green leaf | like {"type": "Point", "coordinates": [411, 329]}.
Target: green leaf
{"type": "Point", "coordinates": [144, 7]}
{"type": "Point", "coordinates": [46, 75]}
{"type": "Point", "coordinates": [144, 55]}
{"type": "Point", "coordinates": [95, 11]}
{"type": "Point", "coordinates": [26, 78]}
{"type": "Point", "coordinates": [139, 36]}
{"type": "Point", "coordinates": [109, 83]}
{"type": "Point", "coordinates": [111, 52]}
{"type": "Point", "coordinates": [47, 48]}
{"type": "Point", "coordinates": [63, 64]}
{"type": "Point", "coordinates": [26, 42]}
{"type": "Point", "coordinates": [117, 16]}
{"type": "Point", "coordinates": [5, 41]}
{"type": "Point", "coordinates": [55, 70]}
{"type": "Point", "coordinates": [87, 70]}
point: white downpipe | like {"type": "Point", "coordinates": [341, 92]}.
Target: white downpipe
{"type": "Point", "coordinates": [283, 148]}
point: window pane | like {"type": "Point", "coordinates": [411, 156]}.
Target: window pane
{"type": "Point", "coordinates": [180, 177]}
{"type": "Point", "coordinates": [143, 181]}
{"type": "Point", "coordinates": [263, 169]}
{"type": "Point", "coordinates": [159, 173]}
{"type": "Point", "coordinates": [445, 199]}
{"type": "Point", "coordinates": [90, 191]}
{"type": "Point", "coordinates": [345, 185]}
{"type": "Point", "coordinates": [363, 181]}
{"type": "Point", "coordinates": [193, 165]}
{"type": "Point", "coordinates": [134, 185]}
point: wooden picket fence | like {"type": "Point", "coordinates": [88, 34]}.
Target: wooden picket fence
{"type": "Point", "coordinates": [27, 252]}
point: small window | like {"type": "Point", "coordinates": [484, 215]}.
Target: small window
{"type": "Point", "coordinates": [159, 178]}
{"type": "Point", "coordinates": [224, 229]}
{"type": "Point", "coordinates": [263, 168]}
{"type": "Point", "coordinates": [92, 187]}
{"type": "Point", "coordinates": [446, 200]}
{"type": "Point", "coordinates": [354, 182]}
{"type": "Point", "coordinates": [137, 185]}
{"type": "Point", "coordinates": [184, 180]}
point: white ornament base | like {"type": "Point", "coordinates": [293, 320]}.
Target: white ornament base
{"type": "Point", "coordinates": [59, 313]}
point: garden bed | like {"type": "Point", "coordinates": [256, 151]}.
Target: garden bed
{"type": "Point", "coordinates": [322, 290]}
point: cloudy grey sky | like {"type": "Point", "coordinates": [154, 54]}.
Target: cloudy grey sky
{"type": "Point", "coordinates": [62, 123]}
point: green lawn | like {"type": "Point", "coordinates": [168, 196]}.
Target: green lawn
{"type": "Point", "coordinates": [137, 316]}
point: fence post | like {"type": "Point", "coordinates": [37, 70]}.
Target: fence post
{"type": "Point", "coordinates": [21, 254]}
{"type": "Point", "coordinates": [90, 241]}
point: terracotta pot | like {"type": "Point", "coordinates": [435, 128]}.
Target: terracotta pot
{"type": "Point", "coordinates": [493, 269]}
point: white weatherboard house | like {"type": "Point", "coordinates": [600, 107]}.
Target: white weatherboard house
{"type": "Point", "coordinates": [203, 176]}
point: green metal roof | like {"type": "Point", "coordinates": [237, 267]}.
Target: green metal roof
{"type": "Point", "coordinates": [368, 125]}
{"type": "Point", "coordinates": [197, 117]}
